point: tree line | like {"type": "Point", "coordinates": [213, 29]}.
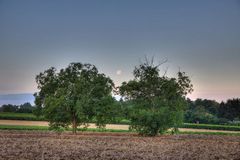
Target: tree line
{"type": "Point", "coordinates": [79, 94]}
{"type": "Point", "coordinates": [212, 112]}
{"type": "Point", "coordinates": [202, 111]}
{"type": "Point", "coordinates": [152, 101]}
{"type": "Point", "coordinates": [23, 108]}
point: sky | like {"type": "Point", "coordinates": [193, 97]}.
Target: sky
{"type": "Point", "coordinates": [201, 38]}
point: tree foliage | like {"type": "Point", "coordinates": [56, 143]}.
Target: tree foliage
{"type": "Point", "coordinates": [202, 111]}
{"type": "Point", "coordinates": [158, 101]}
{"type": "Point", "coordinates": [74, 95]}
{"type": "Point", "coordinates": [9, 108]}
{"type": "Point", "coordinates": [200, 115]}
{"type": "Point", "coordinates": [212, 112]}
{"type": "Point", "coordinates": [230, 109]}
{"type": "Point", "coordinates": [23, 108]}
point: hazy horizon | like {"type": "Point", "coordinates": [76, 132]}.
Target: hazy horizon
{"type": "Point", "coordinates": [21, 98]}
{"type": "Point", "coordinates": [200, 37]}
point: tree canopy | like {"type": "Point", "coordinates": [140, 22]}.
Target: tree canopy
{"type": "Point", "coordinates": [74, 95]}
{"type": "Point", "coordinates": [230, 109]}
{"type": "Point", "coordinates": [23, 108]}
{"type": "Point", "coordinates": [158, 101]}
{"type": "Point", "coordinates": [212, 112]}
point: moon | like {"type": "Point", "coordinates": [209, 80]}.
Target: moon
{"type": "Point", "coordinates": [119, 72]}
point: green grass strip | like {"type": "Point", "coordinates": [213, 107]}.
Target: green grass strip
{"type": "Point", "coordinates": [210, 126]}
{"type": "Point", "coordinates": [211, 133]}
{"type": "Point", "coordinates": [16, 127]}
{"type": "Point", "coordinates": [44, 128]}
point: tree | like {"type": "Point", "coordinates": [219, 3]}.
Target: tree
{"type": "Point", "coordinates": [230, 109]}
{"type": "Point", "coordinates": [73, 95]}
{"type": "Point", "coordinates": [210, 105]}
{"type": "Point", "coordinates": [158, 101]}
{"type": "Point", "coordinates": [200, 115]}
{"type": "Point", "coordinates": [38, 111]}
{"type": "Point", "coordinates": [9, 108]}
{"type": "Point", "coordinates": [25, 108]}
{"type": "Point", "coordinates": [202, 111]}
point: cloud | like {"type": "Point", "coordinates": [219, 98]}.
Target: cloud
{"type": "Point", "coordinates": [119, 72]}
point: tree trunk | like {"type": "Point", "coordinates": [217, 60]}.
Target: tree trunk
{"type": "Point", "coordinates": [74, 125]}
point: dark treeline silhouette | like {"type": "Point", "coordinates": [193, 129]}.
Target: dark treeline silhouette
{"type": "Point", "coordinates": [210, 111]}
{"type": "Point", "coordinates": [23, 108]}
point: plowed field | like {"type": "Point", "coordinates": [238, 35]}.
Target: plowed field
{"type": "Point", "coordinates": [23, 145]}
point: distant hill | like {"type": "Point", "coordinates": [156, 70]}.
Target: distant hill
{"type": "Point", "coordinates": [16, 99]}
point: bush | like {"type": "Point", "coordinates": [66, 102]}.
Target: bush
{"type": "Point", "coordinates": [151, 123]}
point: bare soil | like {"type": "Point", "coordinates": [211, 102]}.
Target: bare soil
{"type": "Point", "coordinates": [24, 145]}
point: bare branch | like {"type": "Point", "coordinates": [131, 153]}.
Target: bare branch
{"type": "Point", "coordinates": [166, 70]}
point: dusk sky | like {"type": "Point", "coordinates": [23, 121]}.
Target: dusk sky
{"type": "Point", "coordinates": [202, 37]}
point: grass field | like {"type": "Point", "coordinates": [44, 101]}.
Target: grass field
{"type": "Point", "coordinates": [106, 146]}
{"type": "Point", "coordinates": [211, 126]}
{"type": "Point", "coordinates": [31, 117]}
{"type": "Point", "coordinates": [45, 128]}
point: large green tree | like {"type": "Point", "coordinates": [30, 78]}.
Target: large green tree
{"type": "Point", "coordinates": [158, 101]}
{"type": "Point", "coordinates": [74, 95]}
